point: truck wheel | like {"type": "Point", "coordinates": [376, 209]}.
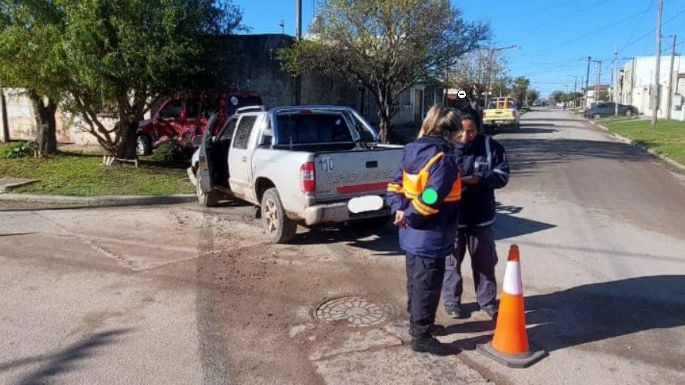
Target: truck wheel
{"type": "Point", "coordinates": [210, 199]}
{"type": "Point", "coordinates": [278, 227]}
{"type": "Point", "coordinates": [628, 113]}
{"type": "Point", "coordinates": [596, 116]}
{"type": "Point", "coordinates": [143, 145]}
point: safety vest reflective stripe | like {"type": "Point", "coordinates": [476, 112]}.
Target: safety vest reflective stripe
{"type": "Point", "coordinates": [413, 184]}
{"type": "Point", "coordinates": [455, 193]}
{"type": "Point", "coordinates": [394, 188]}
{"type": "Point", "coordinates": [422, 208]}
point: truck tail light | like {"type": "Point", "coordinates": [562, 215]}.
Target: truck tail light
{"type": "Point", "coordinates": [307, 177]}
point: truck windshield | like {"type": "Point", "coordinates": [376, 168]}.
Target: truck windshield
{"type": "Point", "coordinates": [312, 128]}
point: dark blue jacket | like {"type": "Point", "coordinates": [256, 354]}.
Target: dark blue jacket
{"type": "Point", "coordinates": [486, 158]}
{"type": "Point", "coordinates": [431, 224]}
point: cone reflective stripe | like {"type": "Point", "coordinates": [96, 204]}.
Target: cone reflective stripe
{"type": "Point", "coordinates": [510, 342]}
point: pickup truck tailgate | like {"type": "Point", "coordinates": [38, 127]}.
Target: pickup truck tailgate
{"type": "Point", "coordinates": [341, 175]}
{"type": "Point", "coordinates": [500, 114]}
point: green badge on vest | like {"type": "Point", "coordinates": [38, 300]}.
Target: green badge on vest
{"type": "Point", "coordinates": [430, 196]}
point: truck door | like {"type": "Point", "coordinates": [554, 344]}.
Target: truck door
{"type": "Point", "coordinates": [239, 162]}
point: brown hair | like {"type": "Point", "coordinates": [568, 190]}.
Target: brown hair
{"type": "Point", "coordinates": [439, 121]}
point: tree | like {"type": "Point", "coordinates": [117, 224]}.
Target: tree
{"type": "Point", "coordinates": [520, 89]}
{"type": "Point", "coordinates": [29, 39]}
{"type": "Point", "coordinates": [532, 95]}
{"type": "Point", "coordinates": [386, 45]}
{"type": "Point", "coordinates": [470, 73]}
{"type": "Point", "coordinates": [604, 96]}
{"type": "Point", "coordinates": [120, 54]}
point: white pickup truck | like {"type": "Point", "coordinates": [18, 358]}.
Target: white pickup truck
{"type": "Point", "coordinates": [304, 165]}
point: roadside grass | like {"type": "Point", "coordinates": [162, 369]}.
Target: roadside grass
{"type": "Point", "coordinates": [78, 174]}
{"type": "Point", "coordinates": [668, 138]}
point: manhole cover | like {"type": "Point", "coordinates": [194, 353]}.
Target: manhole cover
{"type": "Point", "coordinates": [356, 310]}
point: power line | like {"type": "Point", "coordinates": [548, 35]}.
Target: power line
{"type": "Point", "coordinates": [595, 31]}
{"type": "Point", "coordinates": [650, 33]}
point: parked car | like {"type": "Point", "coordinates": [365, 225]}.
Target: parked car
{"type": "Point", "coordinates": [301, 165]}
{"type": "Point", "coordinates": [501, 112]}
{"type": "Point", "coordinates": [182, 117]}
{"type": "Point", "coordinates": [604, 109]}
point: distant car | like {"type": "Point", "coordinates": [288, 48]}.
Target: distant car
{"type": "Point", "coordinates": [604, 109]}
{"type": "Point", "coordinates": [182, 117]}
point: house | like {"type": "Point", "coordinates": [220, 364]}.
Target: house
{"type": "Point", "coordinates": [592, 96]}
{"type": "Point", "coordinates": [636, 86]}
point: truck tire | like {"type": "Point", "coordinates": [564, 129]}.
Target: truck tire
{"type": "Point", "coordinates": [209, 199]}
{"type": "Point", "coordinates": [143, 145]}
{"type": "Point", "coordinates": [277, 226]}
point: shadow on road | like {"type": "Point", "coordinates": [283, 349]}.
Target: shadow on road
{"type": "Point", "coordinates": [528, 155]}
{"type": "Point", "coordinates": [384, 241]}
{"type": "Point", "coordinates": [53, 365]}
{"type": "Point", "coordinates": [602, 311]}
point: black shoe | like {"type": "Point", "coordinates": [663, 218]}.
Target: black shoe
{"type": "Point", "coordinates": [433, 330]}
{"type": "Point", "coordinates": [429, 345]}
{"type": "Point", "coordinates": [456, 312]}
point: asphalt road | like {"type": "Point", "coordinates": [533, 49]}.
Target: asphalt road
{"type": "Point", "coordinates": [181, 295]}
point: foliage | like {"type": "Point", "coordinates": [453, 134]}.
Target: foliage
{"type": "Point", "coordinates": [30, 31]}
{"type": "Point", "coordinates": [170, 153]}
{"type": "Point", "coordinates": [471, 72]}
{"type": "Point", "coordinates": [17, 150]}
{"type": "Point", "coordinates": [120, 54]}
{"type": "Point", "coordinates": [532, 95]}
{"type": "Point", "coordinates": [385, 45]}
{"type": "Point", "coordinates": [520, 88]}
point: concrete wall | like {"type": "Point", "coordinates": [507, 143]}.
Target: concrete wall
{"type": "Point", "coordinates": [638, 85]}
{"type": "Point", "coordinates": [250, 63]}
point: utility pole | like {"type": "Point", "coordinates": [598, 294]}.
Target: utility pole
{"type": "Point", "coordinates": [615, 93]}
{"type": "Point", "coordinates": [298, 19]}
{"type": "Point", "coordinates": [655, 94]}
{"type": "Point", "coordinates": [599, 78]}
{"type": "Point", "coordinates": [575, 89]}
{"type": "Point", "coordinates": [587, 79]}
{"type": "Point", "coordinates": [298, 36]}
{"type": "Point", "coordinates": [670, 81]}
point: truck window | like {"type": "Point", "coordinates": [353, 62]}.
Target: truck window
{"type": "Point", "coordinates": [171, 110]}
{"type": "Point", "coordinates": [192, 108]}
{"type": "Point", "coordinates": [312, 128]}
{"type": "Point", "coordinates": [242, 134]}
{"type": "Point", "coordinates": [228, 131]}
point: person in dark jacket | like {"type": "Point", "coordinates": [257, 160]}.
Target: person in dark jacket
{"type": "Point", "coordinates": [424, 196]}
{"type": "Point", "coordinates": [484, 168]}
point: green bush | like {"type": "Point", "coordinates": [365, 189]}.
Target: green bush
{"type": "Point", "coordinates": [17, 150]}
{"type": "Point", "coordinates": [170, 153]}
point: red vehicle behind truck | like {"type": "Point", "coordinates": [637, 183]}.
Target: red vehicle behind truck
{"type": "Point", "coordinates": [180, 118]}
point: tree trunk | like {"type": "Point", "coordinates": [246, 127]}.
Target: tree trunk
{"type": "Point", "coordinates": [45, 124]}
{"type": "Point", "coordinates": [4, 122]}
{"type": "Point", "coordinates": [129, 116]}
{"type": "Point", "coordinates": [385, 115]}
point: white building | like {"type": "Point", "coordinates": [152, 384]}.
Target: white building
{"type": "Point", "coordinates": [636, 86]}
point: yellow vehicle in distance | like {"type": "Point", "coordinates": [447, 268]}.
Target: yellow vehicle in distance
{"type": "Point", "coordinates": [501, 112]}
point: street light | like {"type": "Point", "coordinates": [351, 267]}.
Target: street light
{"type": "Point", "coordinates": [490, 64]}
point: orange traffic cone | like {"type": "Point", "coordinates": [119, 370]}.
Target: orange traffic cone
{"type": "Point", "coordinates": [509, 345]}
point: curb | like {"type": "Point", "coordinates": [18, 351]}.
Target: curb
{"type": "Point", "coordinates": [104, 200]}
{"type": "Point", "coordinates": [622, 138]}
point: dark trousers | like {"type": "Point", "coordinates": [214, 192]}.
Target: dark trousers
{"type": "Point", "coordinates": [481, 244]}
{"type": "Point", "coordinates": [424, 279]}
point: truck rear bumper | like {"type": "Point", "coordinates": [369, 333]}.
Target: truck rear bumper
{"type": "Point", "coordinates": [336, 213]}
